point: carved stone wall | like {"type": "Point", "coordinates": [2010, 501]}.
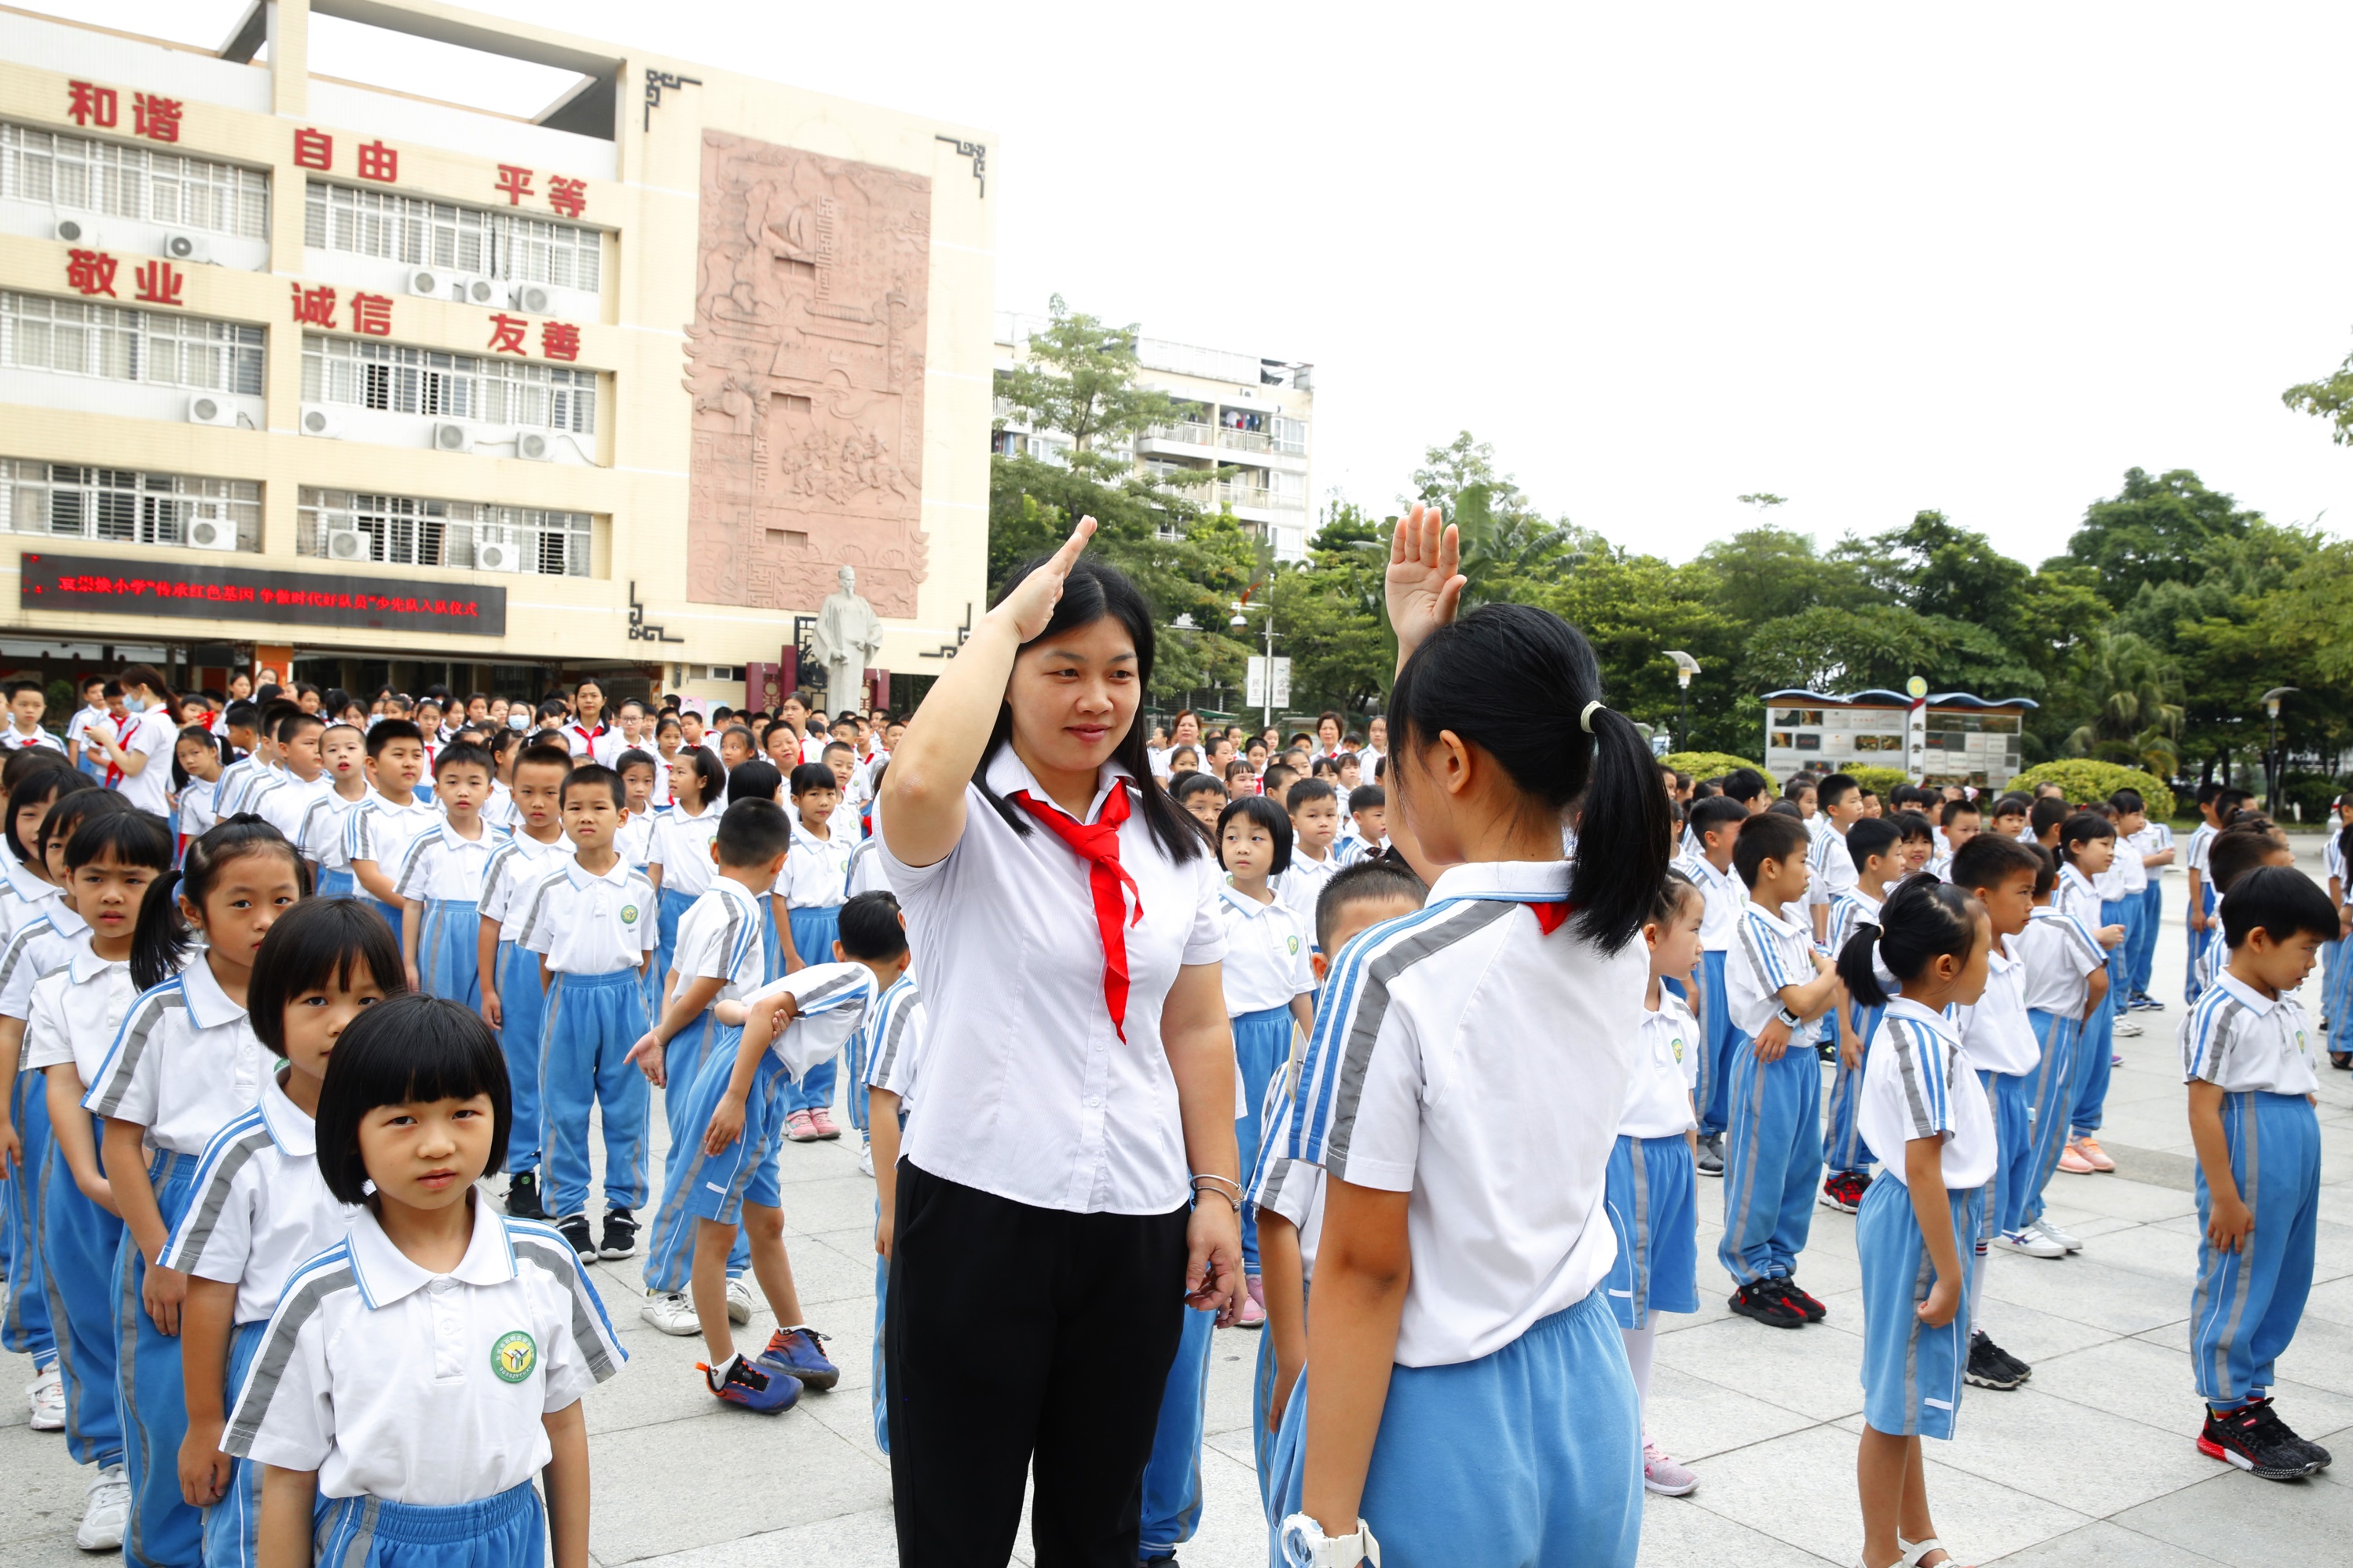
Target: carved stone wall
{"type": "Point", "coordinates": [806, 359]}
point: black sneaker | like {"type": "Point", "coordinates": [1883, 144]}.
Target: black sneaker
{"type": "Point", "coordinates": [1988, 1368]}
{"type": "Point", "coordinates": [1814, 1310]}
{"type": "Point", "coordinates": [1711, 1154]}
{"type": "Point", "coordinates": [620, 1235]}
{"type": "Point", "coordinates": [574, 1228]}
{"type": "Point", "coordinates": [2024, 1372]}
{"type": "Point", "coordinates": [522, 1195]}
{"type": "Point", "coordinates": [2255, 1440]}
{"type": "Point", "coordinates": [1759, 1300]}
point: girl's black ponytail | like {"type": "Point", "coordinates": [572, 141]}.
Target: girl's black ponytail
{"type": "Point", "coordinates": [1623, 830]}
{"type": "Point", "coordinates": [1856, 969]}
{"type": "Point", "coordinates": [159, 943]}
{"type": "Point", "coordinates": [1922, 920]}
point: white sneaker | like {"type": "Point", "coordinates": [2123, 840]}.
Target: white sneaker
{"type": "Point", "coordinates": [2054, 1234]}
{"type": "Point", "coordinates": [671, 1312]}
{"type": "Point", "coordinates": [108, 1512]}
{"type": "Point", "coordinates": [2031, 1242]}
{"type": "Point", "coordinates": [739, 1299]}
{"type": "Point", "coordinates": [2126, 1030]}
{"type": "Point", "coordinates": [866, 1158]}
{"type": "Point", "coordinates": [47, 1394]}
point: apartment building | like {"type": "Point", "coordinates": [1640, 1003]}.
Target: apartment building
{"type": "Point", "coordinates": [1235, 412]}
{"type": "Point", "coordinates": [347, 379]}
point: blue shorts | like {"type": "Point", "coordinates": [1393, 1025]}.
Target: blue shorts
{"type": "Point", "coordinates": [697, 1185]}
{"type": "Point", "coordinates": [509, 1530]}
{"type": "Point", "coordinates": [337, 882]}
{"type": "Point", "coordinates": [1653, 1206]}
{"type": "Point", "coordinates": [1912, 1373]}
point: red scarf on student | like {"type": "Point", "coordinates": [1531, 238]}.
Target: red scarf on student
{"type": "Point", "coordinates": [1097, 843]}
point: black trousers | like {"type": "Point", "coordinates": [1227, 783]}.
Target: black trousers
{"type": "Point", "coordinates": [1014, 1333]}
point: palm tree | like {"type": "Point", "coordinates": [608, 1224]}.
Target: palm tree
{"type": "Point", "coordinates": [2134, 694]}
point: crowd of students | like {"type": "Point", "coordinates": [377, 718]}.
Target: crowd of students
{"type": "Point", "coordinates": [1226, 1020]}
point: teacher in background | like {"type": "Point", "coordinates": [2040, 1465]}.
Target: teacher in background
{"type": "Point", "coordinates": [1070, 1177]}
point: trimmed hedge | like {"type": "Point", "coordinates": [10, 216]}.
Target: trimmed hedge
{"type": "Point", "coordinates": [1879, 780]}
{"type": "Point", "coordinates": [1713, 765]}
{"type": "Point", "coordinates": [2084, 779]}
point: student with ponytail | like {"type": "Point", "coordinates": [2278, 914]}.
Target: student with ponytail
{"type": "Point", "coordinates": [1467, 1399]}
{"type": "Point", "coordinates": [1924, 1116]}
{"type": "Point", "coordinates": [185, 1064]}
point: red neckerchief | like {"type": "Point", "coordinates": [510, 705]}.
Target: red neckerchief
{"type": "Point", "coordinates": [1097, 843]}
{"type": "Point", "coordinates": [1551, 914]}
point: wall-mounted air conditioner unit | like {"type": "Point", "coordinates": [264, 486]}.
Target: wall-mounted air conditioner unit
{"type": "Point", "coordinates": [498, 555]}
{"type": "Point", "coordinates": [535, 446]}
{"type": "Point", "coordinates": [74, 231]}
{"type": "Point", "coordinates": [318, 420]}
{"type": "Point", "coordinates": [474, 291]}
{"type": "Point", "coordinates": [347, 544]}
{"type": "Point", "coordinates": [531, 297]}
{"type": "Point", "coordinates": [452, 438]}
{"type": "Point", "coordinates": [427, 283]}
{"type": "Point", "coordinates": [185, 244]}
{"type": "Point", "coordinates": [205, 408]}
{"type": "Point", "coordinates": [212, 533]}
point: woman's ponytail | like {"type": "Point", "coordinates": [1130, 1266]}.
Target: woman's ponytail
{"type": "Point", "coordinates": [160, 941]}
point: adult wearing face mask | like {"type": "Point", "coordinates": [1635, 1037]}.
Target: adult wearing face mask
{"type": "Point", "coordinates": [140, 762]}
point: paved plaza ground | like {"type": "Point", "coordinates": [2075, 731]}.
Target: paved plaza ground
{"type": "Point", "coordinates": [2090, 1464]}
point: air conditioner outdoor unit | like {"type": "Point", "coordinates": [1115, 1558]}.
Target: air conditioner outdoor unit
{"type": "Point", "coordinates": [347, 544]}
{"type": "Point", "coordinates": [498, 555]}
{"type": "Point", "coordinates": [212, 533]}
{"type": "Point", "coordinates": [475, 290]}
{"type": "Point", "coordinates": [180, 244]}
{"type": "Point", "coordinates": [206, 409]}
{"type": "Point", "coordinates": [426, 282]}
{"type": "Point", "coordinates": [452, 438]}
{"type": "Point", "coordinates": [75, 231]}
{"type": "Point", "coordinates": [535, 446]}
{"type": "Point", "coordinates": [531, 297]}
{"type": "Point", "coordinates": [318, 420]}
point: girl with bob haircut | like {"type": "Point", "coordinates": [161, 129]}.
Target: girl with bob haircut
{"type": "Point", "coordinates": [418, 1468]}
{"type": "Point", "coordinates": [1924, 1113]}
{"type": "Point", "coordinates": [1466, 1397]}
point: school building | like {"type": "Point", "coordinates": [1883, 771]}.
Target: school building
{"type": "Point", "coordinates": [347, 379]}
{"type": "Point", "coordinates": [1939, 737]}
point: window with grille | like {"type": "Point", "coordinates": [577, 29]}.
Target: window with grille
{"type": "Point", "coordinates": [407, 530]}
{"type": "Point", "coordinates": [447, 387]}
{"type": "Point", "coordinates": [511, 246]}
{"type": "Point", "coordinates": [76, 336]}
{"type": "Point", "coordinates": [122, 506]}
{"type": "Point", "coordinates": [154, 186]}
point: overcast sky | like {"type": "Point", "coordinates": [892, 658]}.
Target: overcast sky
{"type": "Point", "coordinates": [1871, 259]}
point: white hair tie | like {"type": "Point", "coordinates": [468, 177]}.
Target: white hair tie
{"type": "Point", "coordinates": [1585, 720]}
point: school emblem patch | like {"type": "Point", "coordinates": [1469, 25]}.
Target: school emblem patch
{"type": "Point", "coordinates": [1679, 1047]}
{"type": "Point", "coordinates": [1294, 945]}
{"type": "Point", "coordinates": [628, 914]}
{"type": "Point", "coordinates": [514, 1355]}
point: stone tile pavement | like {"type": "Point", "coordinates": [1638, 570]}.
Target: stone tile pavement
{"type": "Point", "coordinates": [2089, 1465]}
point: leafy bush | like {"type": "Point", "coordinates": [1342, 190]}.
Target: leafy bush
{"type": "Point", "coordinates": [1712, 764]}
{"type": "Point", "coordinates": [2315, 792]}
{"type": "Point", "coordinates": [1879, 780]}
{"type": "Point", "coordinates": [2084, 779]}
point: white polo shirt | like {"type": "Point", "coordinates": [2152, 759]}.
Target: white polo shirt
{"type": "Point", "coordinates": [2200, 841]}
{"type": "Point", "coordinates": [895, 1042]}
{"type": "Point", "coordinates": [1830, 860]}
{"type": "Point", "coordinates": [1301, 885]}
{"type": "Point", "coordinates": [832, 1000]}
{"type": "Point", "coordinates": [1767, 954]}
{"type": "Point", "coordinates": [2246, 1042]}
{"type": "Point", "coordinates": [23, 894]}
{"type": "Point", "coordinates": [376, 829]}
{"type": "Point", "coordinates": [2060, 952]}
{"type": "Point", "coordinates": [2155, 839]}
{"type": "Point", "coordinates": [1292, 1188]}
{"type": "Point", "coordinates": [633, 838]}
{"type": "Point", "coordinates": [152, 734]}
{"type": "Point", "coordinates": [37, 948]}
{"type": "Point", "coordinates": [260, 1208]}
{"type": "Point", "coordinates": [719, 938]}
{"type": "Point", "coordinates": [78, 1011]}
{"type": "Point", "coordinates": [515, 867]}
{"type": "Point", "coordinates": [817, 870]}
{"type": "Point", "coordinates": [589, 924]}
{"type": "Point", "coordinates": [424, 1388]}
{"type": "Point", "coordinates": [322, 836]}
{"type": "Point", "coordinates": [184, 1065]}
{"type": "Point", "coordinates": [442, 864]}
{"type": "Point", "coordinates": [1917, 1083]}
{"type": "Point", "coordinates": [866, 873]}
{"type": "Point", "coordinates": [2125, 877]}
{"type": "Point", "coordinates": [1266, 953]}
{"type": "Point", "coordinates": [1724, 896]}
{"type": "Point", "coordinates": [1995, 1028]}
{"type": "Point", "coordinates": [1851, 909]}
{"type": "Point", "coordinates": [1406, 1088]}
{"type": "Point", "coordinates": [1033, 1095]}
{"type": "Point", "coordinates": [237, 781]}
{"type": "Point", "coordinates": [681, 847]}
{"type": "Point", "coordinates": [602, 744]}
{"type": "Point", "coordinates": [1666, 1066]}
{"type": "Point", "coordinates": [15, 740]}
{"type": "Point", "coordinates": [284, 802]}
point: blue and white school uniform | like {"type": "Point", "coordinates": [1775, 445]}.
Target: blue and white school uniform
{"type": "Point", "coordinates": [1773, 1148]}
{"type": "Point", "coordinates": [1723, 899]}
{"type": "Point", "coordinates": [2121, 888]}
{"type": "Point", "coordinates": [193, 813]}
{"type": "Point", "coordinates": [322, 839]}
{"type": "Point", "coordinates": [2245, 1307]}
{"type": "Point", "coordinates": [21, 890]}
{"type": "Point", "coordinates": [184, 1065]}
{"type": "Point", "coordinates": [594, 930]}
{"type": "Point", "coordinates": [2060, 956]}
{"type": "Point", "coordinates": [78, 733]}
{"type": "Point", "coordinates": [814, 884]}
{"type": "Point", "coordinates": [1266, 966]}
{"type": "Point", "coordinates": [1511, 1432]}
{"type": "Point", "coordinates": [1918, 1083]}
{"type": "Point", "coordinates": [1829, 865]}
{"type": "Point", "coordinates": [443, 872]}
{"type": "Point", "coordinates": [499, 810]}
{"type": "Point", "coordinates": [40, 739]}
{"type": "Point", "coordinates": [1998, 1033]}
{"type": "Point", "coordinates": [1303, 884]}
{"type": "Point", "coordinates": [1293, 1189]}
{"type": "Point", "coordinates": [1843, 1148]}
{"type": "Point", "coordinates": [420, 1399]}
{"type": "Point", "coordinates": [681, 847]}
{"type": "Point", "coordinates": [2200, 842]}
{"type": "Point", "coordinates": [285, 802]}
{"type": "Point", "coordinates": [2336, 989]}
{"type": "Point", "coordinates": [2332, 953]}
{"type": "Point", "coordinates": [1651, 1194]}
{"type": "Point", "coordinates": [379, 830]}
{"type": "Point", "coordinates": [513, 868]}
{"type": "Point", "coordinates": [2096, 1041]}
{"type": "Point", "coordinates": [76, 1014]}
{"type": "Point", "coordinates": [236, 779]}
{"type": "Point", "coordinates": [633, 841]}
{"type": "Point", "coordinates": [699, 1186]}
{"type": "Point", "coordinates": [2153, 839]}
{"type": "Point", "coordinates": [887, 1052]}
{"type": "Point", "coordinates": [718, 939]}
{"type": "Point", "coordinates": [258, 1211]}
{"type": "Point", "coordinates": [41, 946]}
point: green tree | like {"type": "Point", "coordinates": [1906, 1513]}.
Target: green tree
{"type": "Point", "coordinates": [2331, 399]}
{"type": "Point", "coordinates": [1080, 380]}
{"type": "Point", "coordinates": [2134, 692]}
{"type": "Point", "coordinates": [1329, 616]}
{"type": "Point", "coordinates": [1764, 572]}
{"type": "Point", "coordinates": [2154, 530]}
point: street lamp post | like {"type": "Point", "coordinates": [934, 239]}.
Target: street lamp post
{"type": "Point", "coordinates": [1685, 668]}
{"type": "Point", "coordinates": [2272, 701]}
{"type": "Point", "coordinates": [1266, 688]}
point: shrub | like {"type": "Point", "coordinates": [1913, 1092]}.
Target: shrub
{"type": "Point", "coordinates": [2084, 779]}
{"type": "Point", "coordinates": [1713, 765]}
{"type": "Point", "coordinates": [2314, 791]}
{"type": "Point", "coordinates": [1879, 780]}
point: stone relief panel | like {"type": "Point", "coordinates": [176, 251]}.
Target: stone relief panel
{"type": "Point", "coordinates": [805, 362]}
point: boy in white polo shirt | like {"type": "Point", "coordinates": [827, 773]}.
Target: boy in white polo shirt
{"type": "Point", "coordinates": [1713, 826]}
{"type": "Point", "coordinates": [512, 1002]}
{"type": "Point", "coordinates": [591, 920]}
{"type": "Point", "coordinates": [378, 831]}
{"type": "Point", "coordinates": [1314, 808]}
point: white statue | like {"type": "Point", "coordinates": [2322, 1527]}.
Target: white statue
{"type": "Point", "coordinates": [849, 638]}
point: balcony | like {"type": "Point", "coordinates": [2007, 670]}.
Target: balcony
{"type": "Point", "coordinates": [1187, 439]}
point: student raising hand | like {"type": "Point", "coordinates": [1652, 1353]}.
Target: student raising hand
{"type": "Point", "coordinates": [1424, 583]}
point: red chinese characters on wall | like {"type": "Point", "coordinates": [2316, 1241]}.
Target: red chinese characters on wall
{"type": "Point", "coordinates": [160, 283]}
{"type": "Point", "coordinates": [91, 272]}
{"type": "Point", "coordinates": [89, 104]}
{"type": "Point", "coordinates": [569, 197]}
{"type": "Point", "coordinates": [372, 314]}
{"type": "Point", "coordinates": [314, 307]}
{"type": "Point", "coordinates": [153, 115]}
{"type": "Point", "coordinates": [157, 118]}
{"type": "Point", "coordinates": [559, 340]}
{"type": "Point", "coordinates": [378, 162]}
{"type": "Point", "coordinates": [506, 334]}
{"type": "Point", "coordinates": [515, 184]}
{"type": "Point", "coordinates": [314, 149]}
